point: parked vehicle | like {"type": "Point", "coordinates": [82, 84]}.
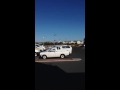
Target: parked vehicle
{"type": "Point", "coordinates": [43, 47]}
{"type": "Point", "coordinates": [54, 52]}
{"type": "Point", "coordinates": [52, 46]}
{"type": "Point", "coordinates": [40, 47]}
{"type": "Point", "coordinates": [83, 45]}
{"type": "Point", "coordinates": [67, 47]}
{"type": "Point", "coordinates": [37, 51]}
{"type": "Point", "coordinates": [64, 47]}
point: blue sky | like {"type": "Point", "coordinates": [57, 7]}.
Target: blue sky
{"type": "Point", "coordinates": [66, 18]}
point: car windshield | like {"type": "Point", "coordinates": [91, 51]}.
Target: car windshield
{"type": "Point", "coordinates": [48, 49]}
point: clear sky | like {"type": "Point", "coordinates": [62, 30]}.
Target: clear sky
{"type": "Point", "coordinates": [66, 18]}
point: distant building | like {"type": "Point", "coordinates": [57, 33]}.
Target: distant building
{"type": "Point", "coordinates": [64, 42]}
{"type": "Point", "coordinates": [72, 42]}
{"type": "Point", "coordinates": [59, 41]}
{"type": "Point", "coordinates": [79, 42]}
{"type": "Point", "coordinates": [38, 42]}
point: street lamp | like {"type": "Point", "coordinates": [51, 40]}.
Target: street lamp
{"type": "Point", "coordinates": [54, 39]}
{"type": "Point", "coordinates": [43, 41]}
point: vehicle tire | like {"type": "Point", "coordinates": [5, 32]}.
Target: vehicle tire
{"type": "Point", "coordinates": [35, 54]}
{"type": "Point", "coordinates": [40, 50]}
{"type": "Point", "coordinates": [62, 56]}
{"type": "Point", "coordinates": [44, 56]}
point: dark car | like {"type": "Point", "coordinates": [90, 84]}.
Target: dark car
{"type": "Point", "coordinates": [83, 45]}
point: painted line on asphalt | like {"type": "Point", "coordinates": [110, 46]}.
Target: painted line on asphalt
{"type": "Point", "coordinates": [59, 60]}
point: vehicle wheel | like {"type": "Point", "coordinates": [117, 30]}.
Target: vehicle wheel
{"type": "Point", "coordinates": [44, 56]}
{"type": "Point", "coordinates": [62, 56]}
{"type": "Point", "coordinates": [35, 54]}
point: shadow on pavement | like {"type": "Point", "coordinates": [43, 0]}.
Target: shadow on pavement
{"type": "Point", "coordinates": [52, 77]}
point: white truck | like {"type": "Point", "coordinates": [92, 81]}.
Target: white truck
{"type": "Point", "coordinates": [54, 52]}
{"type": "Point", "coordinates": [40, 47]}
{"type": "Point", "coordinates": [37, 51]}
{"type": "Point", "coordinates": [67, 48]}
{"type": "Point", "coordinates": [64, 47]}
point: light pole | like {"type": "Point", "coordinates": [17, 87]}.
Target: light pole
{"type": "Point", "coordinates": [43, 41]}
{"type": "Point", "coordinates": [54, 39]}
{"type": "Point", "coordinates": [59, 40]}
{"type": "Point", "coordinates": [65, 40]}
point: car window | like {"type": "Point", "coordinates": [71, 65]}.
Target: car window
{"type": "Point", "coordinates": [37, 45]}
{"type": "Point", "coordinates": [53, 49]}
{"type": "Point", "coordinates": [67, 47]}
{"type": "Point", "coordinates": [63, 47]}
{"type": "Point", "coordinates": [58, 48]}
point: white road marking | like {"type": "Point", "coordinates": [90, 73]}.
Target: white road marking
{"type": "Point", "coordinates": [58, 60]}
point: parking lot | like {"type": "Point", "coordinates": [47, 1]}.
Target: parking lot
{"type": "Point", "coordinates": [71, 64]}
{"type": "Point", "coordinates": [68, 74]}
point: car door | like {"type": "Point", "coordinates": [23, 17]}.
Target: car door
{"type": "Point", "coordinates": [51, 53]}
{"type": "Point", "coordinates": [57, 52]}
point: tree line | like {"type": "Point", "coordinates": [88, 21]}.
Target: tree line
{"type": "Point", "coordinates": [58, 43]}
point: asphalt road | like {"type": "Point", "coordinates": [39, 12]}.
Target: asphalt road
{"type": "Point", "coordinates": [74, 66]}
{"type": "Point", "coordinates": [59, 75]}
